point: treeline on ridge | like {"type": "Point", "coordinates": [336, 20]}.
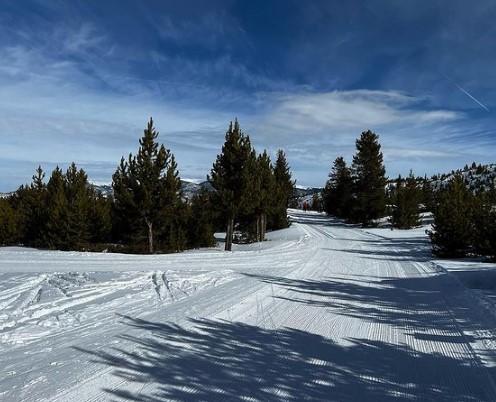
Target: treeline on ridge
{"type": "Point", "coordinates": [146, 212]}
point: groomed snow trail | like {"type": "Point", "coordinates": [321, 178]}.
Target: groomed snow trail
{"type": "Point", "coordinates": [323, 311]}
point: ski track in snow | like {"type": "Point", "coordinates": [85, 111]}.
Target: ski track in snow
{"type": "Point", "coordinates": [322, 311]}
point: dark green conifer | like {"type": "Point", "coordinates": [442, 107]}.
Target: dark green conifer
{"type": "Point", "coordinates": [79, 200]}
{"type": "Point", "coordinates": [484, 224]}
{"type": "Point", "coordinates": [230, 177]}
{"type": "Point", "coordinates": [370, 181]}
{"type": "Point", "coordinates": [201, 224]}
{"type": "Point", "coordinates": [142, 186]}
{"type": "Point", "coordinates": [406, 198]}
{"type": "Point", "coordinates": [452, 230]}
{"type": "Point", "coordinates": [9, 223]}
{"type": "Point", "coordinates": [263, 192]}
{"type": "Point", "coordinates": [338, 191]}
{"type": "Point", "coordinates": [56, 231]}
{"type": "Point", "coordinates": [428, 197]}
{"type": "Point", "coordinates": [284, 190]}
{"type": "Point", "coordinates": [100, 219]}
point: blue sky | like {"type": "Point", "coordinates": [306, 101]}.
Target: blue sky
{"type": "Point", "coordinates": [79, 79]}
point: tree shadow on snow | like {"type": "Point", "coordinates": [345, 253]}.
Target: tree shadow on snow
{"type": "Point", "coordinates": [212, 360]}
{"type": "Point", "coordinates": [415, 304]}
{"type": "Point", "coordinates": [410, 249]}
{"type": "Point", "coordinates": [312, 218]}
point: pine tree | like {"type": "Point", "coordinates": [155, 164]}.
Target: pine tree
{"type": "Point", "coordinates": [142, 186]}
{"type": "Point", "coordinates": [230, 177]}
{"type": "Point", "coordinates": [126, 218]}
{"type": "Point", "coordinates": [248, 221]}
{"type": "Point", "coordinates": [79, 200]}
{"type": "Point", "coordinates": [428, 198]}
{"type": "Point", "coordinates": [56, 231]}
{"type": "Point", "coordinates": [201, 226]}
{"type": "Point", "coordinates": [484, 224]}
{"type": "Point", "coordinates": [284, 190]}
{"type": "Point", "coordinates": [173, 219]}
{"type": "Point", "coordinates": [9, 223]}
{"type": "Point", "coordinates": [406, 197]}
{"type": "Point", "coordinates": [370, 180]}
{"type": "Point", "coordinates": [29, 202]}
{"type": "Point", "coordinates": [263, 193]}
{"type": "Point", "coordinates": [338, 191]}
{"type": "Point", "coordinates": [100, 219]}
{"type": "Point", "coordinates": [453, 229]}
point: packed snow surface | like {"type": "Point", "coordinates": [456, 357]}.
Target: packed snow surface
{"type": "Point", "coordinates": [320, 311]}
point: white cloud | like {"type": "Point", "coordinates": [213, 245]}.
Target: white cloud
{"type": "Point", "coordinates": [344, 110]}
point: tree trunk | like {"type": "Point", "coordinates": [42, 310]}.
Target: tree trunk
{"type": "Point", "coordinates": [150, 236]}
{"type": "Point", "coordinates": [264, 227]}
{"type": "Point", "coordinates": [259, 227]}
{"type": "Point", "coordinates": [229, 234]}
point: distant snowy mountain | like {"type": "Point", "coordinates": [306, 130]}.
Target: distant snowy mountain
{"type": "Point", "coordinates": [103, 189]}
{"type": "Point", "coordinates": [189, 188]}
{"type": "Point", "coordinates": [304, 195]}
{"type": "Point", "coordinates": [306, 191]}
{"type": "Point", "coordinates": [6, 195]}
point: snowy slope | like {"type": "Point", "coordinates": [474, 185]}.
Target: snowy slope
{"type": "Point", "coordinates": [476, 179]}
{"type": "Point", "coordinates": [188, 187]}
{"type": "Point", "coordinates": [321, 311]}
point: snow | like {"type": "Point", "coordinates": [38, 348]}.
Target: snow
{"type": "Point", "coordinates": [320, 311]}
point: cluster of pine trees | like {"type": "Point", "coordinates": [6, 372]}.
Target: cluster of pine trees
{"type": "Point", "coordinates": [362, 194]}
{"type": "Point", "coordinates": [146, 211]}
{"type": "Point", "coordinates": [65, 213]}
{"type": "Point", "coordinates": [357, 193]}
{"type": "Point", "coordinates": [464, 221]}
{"type": "Point", "coordinates": [251, 193]}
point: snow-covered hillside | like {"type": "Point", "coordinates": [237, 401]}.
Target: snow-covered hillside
{"type": "Point", "coordinates": [188, 188]}
{"type": "Point", "coordinates": [481, 177]}
{"type": "Point", "coordinates": [320, 311]}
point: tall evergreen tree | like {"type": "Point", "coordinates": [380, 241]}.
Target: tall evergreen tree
{"type": "Point", "coordinates": [428, 197]}
{"type": "Point", "coordinates": [452, 230]}
{"type": "Point", "coordinates": [142, 184]}
{"type": "Point", "coordinates": [338, 191]}
{"type": "Point", "coordinates": [79, 199]}
{"type": "Point", "coordinates": [406, 198]}
{"type": "Point", "coordinates": [370, 181]}
{"type": "Point", "coordinates": [173, 218]}
{"type": "Point", "coordinates": [284, 190]}
{"type": "Point", "coordinates": [230, 177]}
{"type": "Point", "coordinates": [201, 226]}
{"type": "Point", "coordinates": [484, 224]}
{"type": "Point", "coordinates": [100, 218]}
{"type": "Point", "coordinates": [126, 218]}
{"type": "Point", "coordinates": [56, 231]}
{"type": "Point", "coordinates": [263, 193]}
{"type": "Point", "coordinates": [31, 209]}
{"type": "Point", "coordinates": [9, 223]}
